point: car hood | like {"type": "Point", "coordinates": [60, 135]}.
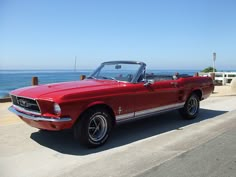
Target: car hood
{"type": "Point", "coordinates": [63, 89]}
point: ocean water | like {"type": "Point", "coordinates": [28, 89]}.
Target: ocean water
{"type": "Point", "coordinates": [13, 79]}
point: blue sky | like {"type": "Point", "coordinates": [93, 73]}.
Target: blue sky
{"type": "Point", "coordinates": [166, 34]}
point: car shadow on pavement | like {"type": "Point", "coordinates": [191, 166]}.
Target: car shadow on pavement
{"type": "Point", "coordinates": [122, 134]}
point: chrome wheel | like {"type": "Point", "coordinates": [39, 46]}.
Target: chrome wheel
{"type": "Point", "coordinates": [193, 105]}
{"type": "Point", "coordinates": [94, 127]}
{"type": "Point", "coordinates": [97, 128]}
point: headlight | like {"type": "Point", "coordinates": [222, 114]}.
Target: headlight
{"type": "Point", "coordinates": [57, 109]}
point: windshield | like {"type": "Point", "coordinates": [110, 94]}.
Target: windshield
{"type": "Point", "coordinates": [116, 71]}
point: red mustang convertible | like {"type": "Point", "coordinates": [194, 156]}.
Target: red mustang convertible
{"type": "Point", "coordinates": [117, 91]}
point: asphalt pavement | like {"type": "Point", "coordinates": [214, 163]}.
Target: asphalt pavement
{"type": "Point", "coordinates": [216, 158]}
{"type": "Point", "coordinates": [163, 145]}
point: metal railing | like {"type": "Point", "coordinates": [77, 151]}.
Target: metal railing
{"type": "Point", "coordinates": [223, 78]}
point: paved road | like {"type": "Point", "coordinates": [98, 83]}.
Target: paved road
{"type": "Point", "coordinates": [215, 158]}
{"type": "Point", "coordinates": [163, 145]}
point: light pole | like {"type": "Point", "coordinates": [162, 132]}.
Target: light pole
{"type": "Point", "coordinates": [75, 63]}
{"type": "Point", "coordinates": [214, 59]}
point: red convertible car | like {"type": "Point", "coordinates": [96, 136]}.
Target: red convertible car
{"type": "Point", "coordinates": [117, 91]}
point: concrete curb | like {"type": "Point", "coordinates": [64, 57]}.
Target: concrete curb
{"type": "Point", "coordinates": [217, 94]}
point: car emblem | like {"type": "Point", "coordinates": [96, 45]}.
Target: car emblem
{"type": "Point", "coordinates": [23, 103]}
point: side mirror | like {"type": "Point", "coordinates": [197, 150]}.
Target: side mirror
{"type": "Point", "coordinates": [149, 82]}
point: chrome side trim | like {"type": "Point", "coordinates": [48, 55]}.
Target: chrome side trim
{"type": "Point", "coordinates": [158, 109]}
{"type": "Point", "coordinates": [38, 118]}
{"type": "Point", "coordinates": [150, 112]}
{"type": "Point", "coordinates": [125, 116]}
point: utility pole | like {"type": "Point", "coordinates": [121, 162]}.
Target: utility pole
{"type": "Point", "coordinates": [214, 60]}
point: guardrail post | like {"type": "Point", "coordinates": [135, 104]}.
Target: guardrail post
{"type": "Point", "coordinates": [35, 81]}
{"type": "Point", "coordinates": [212, 76]}
{"type": "Point", "coordinates": [223, 79]}
{"type": "Point", "coordinates": [82, 77]}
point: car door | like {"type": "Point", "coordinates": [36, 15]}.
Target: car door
{"type": "Point", "coordinates": [159, 96]}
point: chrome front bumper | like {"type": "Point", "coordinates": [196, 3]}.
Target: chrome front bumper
{"type": "Point", "coordinates": [38, 118]}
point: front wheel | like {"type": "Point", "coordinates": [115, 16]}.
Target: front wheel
{"type": "Point", "coordinates": [191, 107]}
{"type": "Point", "coordinates": [94, 127]}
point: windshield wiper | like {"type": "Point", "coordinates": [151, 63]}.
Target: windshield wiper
{"type": "Point", "coordinates": [91, 77]}
{"type": "Point", "coordinates": [111, 78]}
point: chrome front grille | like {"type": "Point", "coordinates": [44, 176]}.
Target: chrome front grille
{"type": "Point", "coordinates": [26, 104]}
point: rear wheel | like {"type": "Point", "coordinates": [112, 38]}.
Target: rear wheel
{"type": "Point", "coordinates": [191, 107]}
{"type": "Point", "coordinates": [94, 127]}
